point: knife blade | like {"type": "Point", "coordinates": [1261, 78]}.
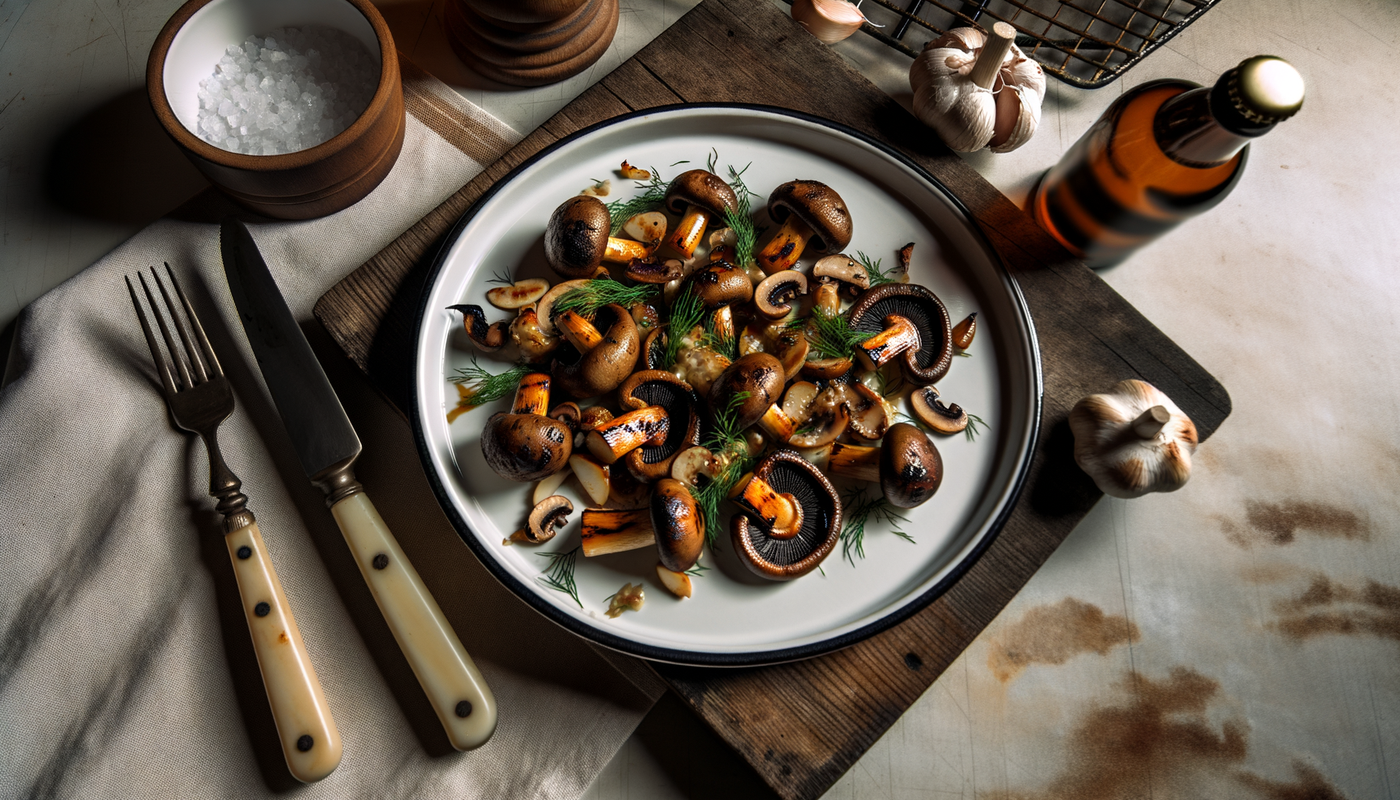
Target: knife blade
{"type": "Point", "coordinates": [327, 446]}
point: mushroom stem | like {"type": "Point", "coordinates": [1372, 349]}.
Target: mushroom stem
{"type": "Point", "coordinates": [607, 530]}
{"type": "Point", "coordinates": [776, 423]}
{"type": "Point", "coordinates": [724, 322]}
{"type": "Point", "coordinates": [622, 251]}
{"type": "Point", "coordinates": [899, 335]}
{"type": "Point", "coordinates": [1151, 422]}
{"type": "Point", "coordinates": [579, 331]}
{"type": "Point", "coordinates": [988, 63]}
{"type": "Point", "coordinates": [829, 297]}
{"type": "Point", "coordinates": [855, 461]}
{"type": "Point", "coordinates": [686, 237]}
{"type": "Point", "coordinates": [532, 395]}
{"type": "Point", "coordinates": [783, 250]}
{"type": "Point", "coordinates": [780, 513]}
{"type": "Point", "coordinates": [623, 434]}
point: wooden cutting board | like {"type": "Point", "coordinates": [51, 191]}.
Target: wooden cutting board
{"type": "Point", "coordinates": [802, 725]}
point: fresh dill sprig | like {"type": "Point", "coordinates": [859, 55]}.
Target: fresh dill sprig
{"type": "Point", "coordinates": [726, 344]}
{"type": "Point", "coordinates": [686, 312]}
{"type": "Point", "coordinates": [858, 509]}
{"type": "Point", "coordinates": [726, 432]}
{"type": "Point", "coordinates": [489, 387]}
{"type": "Point", "coordinates": [559, 575]}
{"type": "Point", "coordinates": [587, 299]}
{"type": "Point", "coordinates": [652, 196]}
{"type": "Point", "coordinates": [830, 335]}
{"type": "Point", "coordinates": [502, 277]}
{"type": "Point", "coordinates": [682, 161]}
{"type": "Point", "coordinates": [739, 219]}
{"type": "Point", "coordinates": [696, 570]}
{"type": "Point", "coordinates": [872, 270]}
{"type": "Point", "coordinates": [973, 421]}
{"type": "Point", "coordinates": [709, 497]}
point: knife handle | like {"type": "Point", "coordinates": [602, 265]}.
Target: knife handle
{"type": "Point", "coordinates": [461, 698]}
{"type": "Point", "coordinates": [305, 727]}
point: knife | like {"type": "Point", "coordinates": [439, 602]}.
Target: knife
{"type": "Point", "coordinates": [327, 447]}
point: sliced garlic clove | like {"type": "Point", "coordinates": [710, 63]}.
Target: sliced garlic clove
{"type": "Point", "coordinates": [677, 583]}
{"type": "Point", "coordinates": [592, 476]}
{"type": "Point", "coordinates": [550, 485]}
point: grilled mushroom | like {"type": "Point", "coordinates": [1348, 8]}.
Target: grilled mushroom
{"type": "Point", "coordinates": [545, 309]}
{"type": "Point", "coordinates": [601, 366]}
{"type": "Point", "coordinates": [759, 376]}
{"type": "Point", "coordinates": [792, 556]}
{"type": "Point", "coordinates": [929, 362]}
{"type": "Point", "coordinates": [489, 337]}
{"type": "Point", "coordinates": [678, 525]}
{"type": "Point", "coordinates": [773, 297]}
{"type": "Point", "coordinates": [810, 211]}
{"type": "Point", "coordinates": [525, 445]}
{"type": "Point", "coordinates": [932, 412]}
{"type": "Point", "coordinates": [701, 196]}
{"type": "Point", "coordinates": [529, 336]}
{"type": "Point", "coordinates": [576, 240]}
{"type": "Point", "coordinates": [658, 388]}
{"type": "Point", "coordinates": [911, 469]}
{"type": "Point", "coordinates": [546, 518]}
{"type": "Point", "coordinates": [898, 336]}
{"type": "Point", "coordinates": [720, 283]}
{"type": "Point", "coordinates": [964, 331]}
{"type": "Point", "coordinates": [519, 294]}
{"type": "Point", "coordinates": [625, 433]}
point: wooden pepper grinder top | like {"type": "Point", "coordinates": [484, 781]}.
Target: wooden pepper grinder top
{"type": "Point", "coordinates": [530, 42]}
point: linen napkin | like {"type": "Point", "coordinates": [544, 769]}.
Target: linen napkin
{"type": "Point", "coordinates": [126, 668]}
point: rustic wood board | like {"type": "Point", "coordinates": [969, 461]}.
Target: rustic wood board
{"type": "Point", "coordinates": [802, 725]}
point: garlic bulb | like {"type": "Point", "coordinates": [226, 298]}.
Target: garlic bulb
{"type": "Point", "coordinates": [976, 91]}
{"type": "Point", "coordinates": [1133, 440]}
{"type": "Point", "coordinates": [831, 21]}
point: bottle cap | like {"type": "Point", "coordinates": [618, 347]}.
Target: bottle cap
{"type": "Point", "coordinates": [1265, 89]}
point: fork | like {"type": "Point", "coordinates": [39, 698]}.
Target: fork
{"type": "Point", "coordinates": [200, 397]}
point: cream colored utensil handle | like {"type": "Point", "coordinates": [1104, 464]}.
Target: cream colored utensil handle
{"type": "Point", "coordinates": [461, 698]}
{"type": "Point", "coordinates": [309, 737]}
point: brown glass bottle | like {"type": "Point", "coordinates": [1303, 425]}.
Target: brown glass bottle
{"type": "Point", "coordinates": [1162, 153]}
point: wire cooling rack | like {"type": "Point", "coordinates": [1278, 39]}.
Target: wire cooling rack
{"type": "Point", "coordinates": [1085, 43]}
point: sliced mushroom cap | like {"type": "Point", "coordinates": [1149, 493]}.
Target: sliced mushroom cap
{"type": "Point", "coordinates": [871, 414]}
{"type": "Point", "coordinates": [678, 524]}
{"type": "Point", "coordinates": [568, 413]}
{"type": "Point", "coordinates": [826, 418]}
{"type": "Point", "coordinates": [576, 236]}
{"type": "Point", "coordinates": [487, 336]}
{"type": "Point", "coordinates": [784, 559]}
{"type": "Point", "coordinates": [545, 309]}
{"type": "Point", "coordinates": [844, 270]}
{"type": "Point", "coordinates": [700, 367]}
{"type": "Point", "coordinates": [519, 294]}
{"type": "Point", "coordinates": [608, 364]}
{"type": "Point", "coordinates": [646, 316]}
{"type": "Point", "coordinates": [526, 447]}
{"type": "Point", "coordinates": [931, 411]}
{"type": "Point", "coordinates": [817, 205]}
{"type": "Point", "coordinates": [703, 189]}
{"type": "Point", "coordinates": [654, 272]}
{"type": "Point", "coordinates": [773, 297]}
{"type": "Point", "coordinates": [654, 349]}
{"type": "Point", "coordinates": [825, 369]}
{"type": "Point", "coordinates": [911, 468]}
{"type": "Point", "coordinates": [758, 375]}
{"type": "Point", "coordinates": [651, 462]}
{"type": "Point", "coordinates": [928, 363]}
{"type": "Point", "coordinates": [720, 283]}
{"type": "Point", "coordinates": [648, 227]}
{"type": "Point", "coordinates": [547, 517]}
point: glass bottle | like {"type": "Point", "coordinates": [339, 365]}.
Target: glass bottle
{"type": "Point", "coordinates": [1163, 152]}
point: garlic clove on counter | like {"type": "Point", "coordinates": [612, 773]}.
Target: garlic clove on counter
{"type": "Point", "coordinates": [1133, 440]}
{"type": "Point", "coordinates": [975, 90]}
{"type": "Point", "coordinates": [831, 21]}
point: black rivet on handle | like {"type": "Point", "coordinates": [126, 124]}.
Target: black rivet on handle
{"type": "Point", "coordinates": [262, 609]}
{"type": "Point", "coordinates": [245, 552]}
{"type": "Point", "coordinates": [305, 742]}
{"type": "Point", "coordinates": [380, 561]}
{"type": "Point", "coordinates": [464, 709]}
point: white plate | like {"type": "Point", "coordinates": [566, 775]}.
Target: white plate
{"type": "Point", "coordinates": [735, 618]}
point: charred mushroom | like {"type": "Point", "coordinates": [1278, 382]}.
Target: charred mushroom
{"type": "Point", "coordinates": [931, 411]}
{"type": "Point", "coordinates": [524, 444]}
{"type": "Point", "coordinates": [786, 557]}
{"type": "Point", "coordinates": [810, 212]}
{"type": "Point", "coordinates": [654, 272]}
{"type": "Point", "coordinates": [907, 465]}
{"type": "Point", "coordinates": [759, 377]}
{"type": "Point", "coordinates": [576, 240]}
{"type": "Point", "coordinates": [929, 362]}
{"type": "Point", "coordinates": [546, 518]}
{"type": "Point", "coordinates": [774, 296]}
{"type": "Point", "coordinates": [545, 309]}
{"type": "Point", "coordinates": [658, 388]}
{"type": "Point", "coordinates": [837, 275]}
{"type": "Point", "coordinates": [678, 525]}
{"type": "Point", "coordinates": [871, 414]}
{"type": "Point", "coordinates": [720, 283]}
{"type": "Point", "coordinates": [964, 331]}
{"type": "Point", "coordinates": [519, 294]}
{"type": "Point", "coordinates": [825, 418]}
{"type": "Point", "coordinates": [488, 337]}
{"type": "Point", "coordinates": [700, 196]}
{"type": "Point", "coordinates": [898, 336]}
{"type": "Point", "coordinates": [529, 336]}
{"type": "Point", "coordinates": [604, 365]}
{"type": "Point", "coordinates": [623, 434]}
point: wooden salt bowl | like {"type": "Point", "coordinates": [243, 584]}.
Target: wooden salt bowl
{"type": "Point", "coordinates": [309, 183]}
{"type": "Point", "coordinates": [530, 42]}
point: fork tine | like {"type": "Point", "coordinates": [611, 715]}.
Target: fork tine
{"type": "Point", "coordinates": [205, 349]}
{"type": "Point", "coordinates": [165, 332]}
{"type": "Point", "coordinates": [162, 365]}
{"type": "Point", "coordinates": [196, 360]}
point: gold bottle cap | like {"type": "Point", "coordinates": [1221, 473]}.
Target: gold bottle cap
{"type": "Point", "coordinates": [1266, 89]}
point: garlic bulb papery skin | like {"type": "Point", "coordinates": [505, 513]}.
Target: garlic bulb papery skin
{"type": "Point", "coordinates": [1133, 440]}
{"type": "Point", "coordinates": [831, 21]}
{"type": "Point", "coordinates": [969, 117]}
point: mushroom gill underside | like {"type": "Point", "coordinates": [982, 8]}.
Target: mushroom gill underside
{"type": "Point", "coordinates": [788, 479]}
{"type": "Point", "coordinates": [928, 325]}
{"type": "Point", "coordinates": [681, 406]}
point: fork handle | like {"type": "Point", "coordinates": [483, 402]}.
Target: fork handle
{"type": "Point", "coordinates": [463, 702]}
{"type": "Point", "coordinates": [305, 727]}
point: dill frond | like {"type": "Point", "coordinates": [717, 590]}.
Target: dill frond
{"type": "Point", "coordinates": [559, 575]}
{"type": "Point", "coordinates": [740, 218]}
{"type": "Point", "coordinates": [873, 271]}
{"type": "Point", "coordinates": [502, 277]}
{"type": "Point", "coordinates": [599, 292]}
{"type": "Point", "coordinates": [686, 312]}
{"type": "Point", "coordinates": [973, 421]}
{"type": "Point", "coordinates": [725, 345]}
{"type": "Point", "coordinates": [489, 387]}
{"type": "Point", "coordinates": [726, 432]}
{"type": "Point", "coordinates": [696, 570]}
{"type": "Point", "coordinates": [858, 510]}
{"type": "Point", "coordinates": [682, 161]}
{"type": "Point", "coordinates": [709, 497]}
{"type": "Point", "coordinates": [830, 335]}
{"type": "Point", "coordinates": [652, 196]}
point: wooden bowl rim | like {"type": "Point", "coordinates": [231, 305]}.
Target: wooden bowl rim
{"type": "Point", "coordinates": [155, 89]}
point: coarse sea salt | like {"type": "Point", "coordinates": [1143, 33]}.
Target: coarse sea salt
{"type": "Point", "coordinates": [292, 90]}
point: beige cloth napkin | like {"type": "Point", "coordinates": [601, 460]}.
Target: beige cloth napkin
{"type": "Point", "coordinates": [126, 669]}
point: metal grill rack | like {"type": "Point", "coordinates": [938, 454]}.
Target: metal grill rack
{"type": "Point", "coordinates": [1085, 43]}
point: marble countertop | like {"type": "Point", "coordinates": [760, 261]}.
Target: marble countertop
{"type": "Point", "coordinates": [1238, 638]}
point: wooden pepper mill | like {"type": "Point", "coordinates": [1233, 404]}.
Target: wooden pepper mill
{"type": "Point", "coordinates": [530, 42]}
